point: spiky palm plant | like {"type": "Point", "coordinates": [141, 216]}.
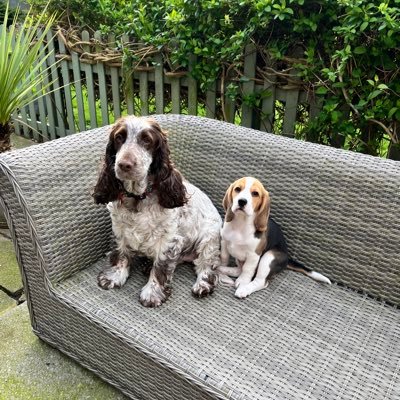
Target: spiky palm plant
{"type": "Point", "coordinates": [23, 53]}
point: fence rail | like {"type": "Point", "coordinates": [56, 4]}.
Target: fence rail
{"type": "Point", "coordinates": [88, 94]}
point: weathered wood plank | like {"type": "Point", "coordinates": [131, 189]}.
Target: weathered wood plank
{"type": "Point", "coordinates": [268, 105]}
{"type": "Point", "coordinates": [289, 119]}
{"type": "Point", "coordinates": [249, 70]}
{"type": "Point", "coordinates": [159, 83]}
{"type": "Point", "coordinates": [128, 83]}
{"type": "Point", "coordinates": [192, 87]}
{"type": "Point", "coordinates": [211, 100]}
{"type": "Point", "coordinates": [59, 117]}
{"type": "Point", "coordinates": [102, 84]}
{"type": "Point", "coordinates": [115, 84]}
{"type": "Point", "coordinates": [176, 95]}
{"type": "Point", "coordinates": [24, 115]}
{"type": "Point", "coordinates": [144, 93]}
{"type": "Point", "coordinates": [87, 68]}
{"type": "Point", "coordinates": [66, 90]}
{"type": "Point", "coordinates": [76, 68]}
{"type": "Point", "coordinates": [49, 100]}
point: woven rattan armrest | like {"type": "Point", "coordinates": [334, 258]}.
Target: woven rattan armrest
{"type": "Point", "coordinates": [46, 191]}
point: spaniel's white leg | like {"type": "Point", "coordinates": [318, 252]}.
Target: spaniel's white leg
{"type": "Point", "coordinates": [157, 289]}
{"type": "Point", "coordinates": [116, 275]}
{"type": "Point", "coordinates": [206, 264]}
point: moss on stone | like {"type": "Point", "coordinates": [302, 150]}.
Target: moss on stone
{"type": "Point", "coordinates": [30, 369]}
{"type": "Point", "coordinates": [10, 277]}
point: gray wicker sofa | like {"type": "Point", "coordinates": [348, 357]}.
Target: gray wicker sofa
{"type": "Point", "coordinates": [296, 339]}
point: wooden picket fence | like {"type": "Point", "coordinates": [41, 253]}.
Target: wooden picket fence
{"type": "Point", "coordinates": [87, 94]}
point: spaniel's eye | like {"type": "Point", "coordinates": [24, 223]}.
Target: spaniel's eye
{"type": "Point", "coordinates": [237, 189]}
{"type": "Point", "coordinates": [254, 193]}
{"type": "Point", "coordinates": [146, 139]}
{"type": "Point", "coordinates": [118, 138]}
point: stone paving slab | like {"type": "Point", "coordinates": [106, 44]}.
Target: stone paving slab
{"type": "Point", "coordinates": [32, 370]}
{"type": "Point", "coordinates": [10, 277]}
{"type": "Point", "coordinates": [6, 302]}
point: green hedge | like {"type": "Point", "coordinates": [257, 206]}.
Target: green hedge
{"type": "Point", "coordinates": [350, 52]}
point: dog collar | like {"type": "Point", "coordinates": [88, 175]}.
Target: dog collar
{"type": "Point", "coordinates": [142, 196]}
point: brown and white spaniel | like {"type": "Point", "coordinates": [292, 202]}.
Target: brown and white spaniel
{"type": "Point", "coordinates": [254, 239]}
{"type": "Point", "coordinates": [154, 212]}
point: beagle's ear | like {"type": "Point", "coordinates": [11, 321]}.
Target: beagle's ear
{"type": "Point", "coordinates": [227, 203]}
{"type": "Point", "coordinates": [262, 212]}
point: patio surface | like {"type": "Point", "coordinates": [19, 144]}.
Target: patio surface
{"type": "Point", "coordinates": [29, 368]}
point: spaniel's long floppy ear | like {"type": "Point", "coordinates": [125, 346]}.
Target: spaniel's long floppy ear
{"type": "Point", "coordinates": [262, 212]}
{"type": "Point", "coordinates": [227, 203]}
{"type": "Point", "coordinates": [108, 186]}
{"type": "Point", "coordinates": [171, 191]}
{"type": "Point", "coordinates": [169, 182]}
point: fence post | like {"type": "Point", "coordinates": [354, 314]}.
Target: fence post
{"type": "Point", "coordinates": [66, 90]}
{"type": "Point", "coordinates": [88, 69]}
{"type": "Point", "coordinates": [249, 70]}
{"type": "Point", "coordinates": [159, 83]}
{"type": "Point", "coordinates": [101, 74]}
{"type": "Point", "coordinates": [115, 84]}
{"type": "Point", "coordinates": [59, 117]}
{"type": "Point", "coordinates": [192, 87]}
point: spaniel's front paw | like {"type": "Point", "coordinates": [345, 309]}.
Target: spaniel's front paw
{"type": "Point", "coordinates": [153, 295]}
{"type": "Point", "coordinates": [113, 277]}
{"type": "Point", "coordinates": [204, 285]}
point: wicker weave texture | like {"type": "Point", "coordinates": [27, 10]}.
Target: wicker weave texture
{"type": "Point", "coordinates": [295, 339]}
{"type": "Point", "coordinates": [339, 210]}
{"type": "Point", "coordinates": [55, 180]}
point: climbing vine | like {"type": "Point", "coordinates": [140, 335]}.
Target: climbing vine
{"type": "Point", "coordinates": [349, 53]}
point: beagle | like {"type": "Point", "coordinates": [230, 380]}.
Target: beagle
{"type": "Point", "coordinates": [254, 239]}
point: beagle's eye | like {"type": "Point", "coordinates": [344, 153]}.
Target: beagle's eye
{"type": "Point", "coordinates": [254, 193]}
{"type": "Point", "coordinates": [237, 189]}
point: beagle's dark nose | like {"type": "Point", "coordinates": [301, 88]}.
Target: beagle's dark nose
{"type": "Point", "coordinates": [126, 166]}
{"type": "Point", "coordinates": [242, 202]}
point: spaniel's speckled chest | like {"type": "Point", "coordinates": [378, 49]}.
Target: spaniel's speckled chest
{"type": "Point", "coordinates": [148, 231]}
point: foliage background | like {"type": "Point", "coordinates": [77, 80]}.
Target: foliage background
{"type": "Point", "coordinates": [349, 52]}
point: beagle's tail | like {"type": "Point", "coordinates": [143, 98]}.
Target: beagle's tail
{"type": "Point", "coordinates": [296, 266]}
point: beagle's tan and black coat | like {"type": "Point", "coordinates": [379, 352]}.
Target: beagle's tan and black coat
{"type": "Point", "coordinates": [254, 239]}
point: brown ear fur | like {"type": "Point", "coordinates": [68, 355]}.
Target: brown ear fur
{"type": "Point", "coordinates": [108, 186]}
{"type": "Point", "coordinates": [227, 203]}
{"type": "Point", "coordinates": [171, 191]}
{"type": "Point", "coordinates": [262, 213]}
{"type": "Point", "coordinates": [170, 188]}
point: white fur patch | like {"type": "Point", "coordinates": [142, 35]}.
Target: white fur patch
{"type": "Point", "coordinates": [115, 276]}
{"type": "Point", "coordinates": [318, 277]}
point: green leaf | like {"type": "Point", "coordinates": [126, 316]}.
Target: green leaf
{"type": "Point", "coordinates": [392, 111]}
{"type": "Point", "coordinates": [360, 50]}
{"type": "Point", "coordinates": [321, 90]}
{"type": "Point", "coordinates": [382, 86]}
{"type": "Point", "coordinates": [363, 26]}
{"type": "Point", "coordinates": [374, 94]}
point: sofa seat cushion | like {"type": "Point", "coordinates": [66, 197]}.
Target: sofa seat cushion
{"type": "Point", "coordinates": [297, 339]}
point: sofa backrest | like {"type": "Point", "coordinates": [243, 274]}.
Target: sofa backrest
{"type": "Point", "coordinates": [339, 210]}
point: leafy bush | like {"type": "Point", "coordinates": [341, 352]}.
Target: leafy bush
{"type": "Point", "coordinates": [350, 52]}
